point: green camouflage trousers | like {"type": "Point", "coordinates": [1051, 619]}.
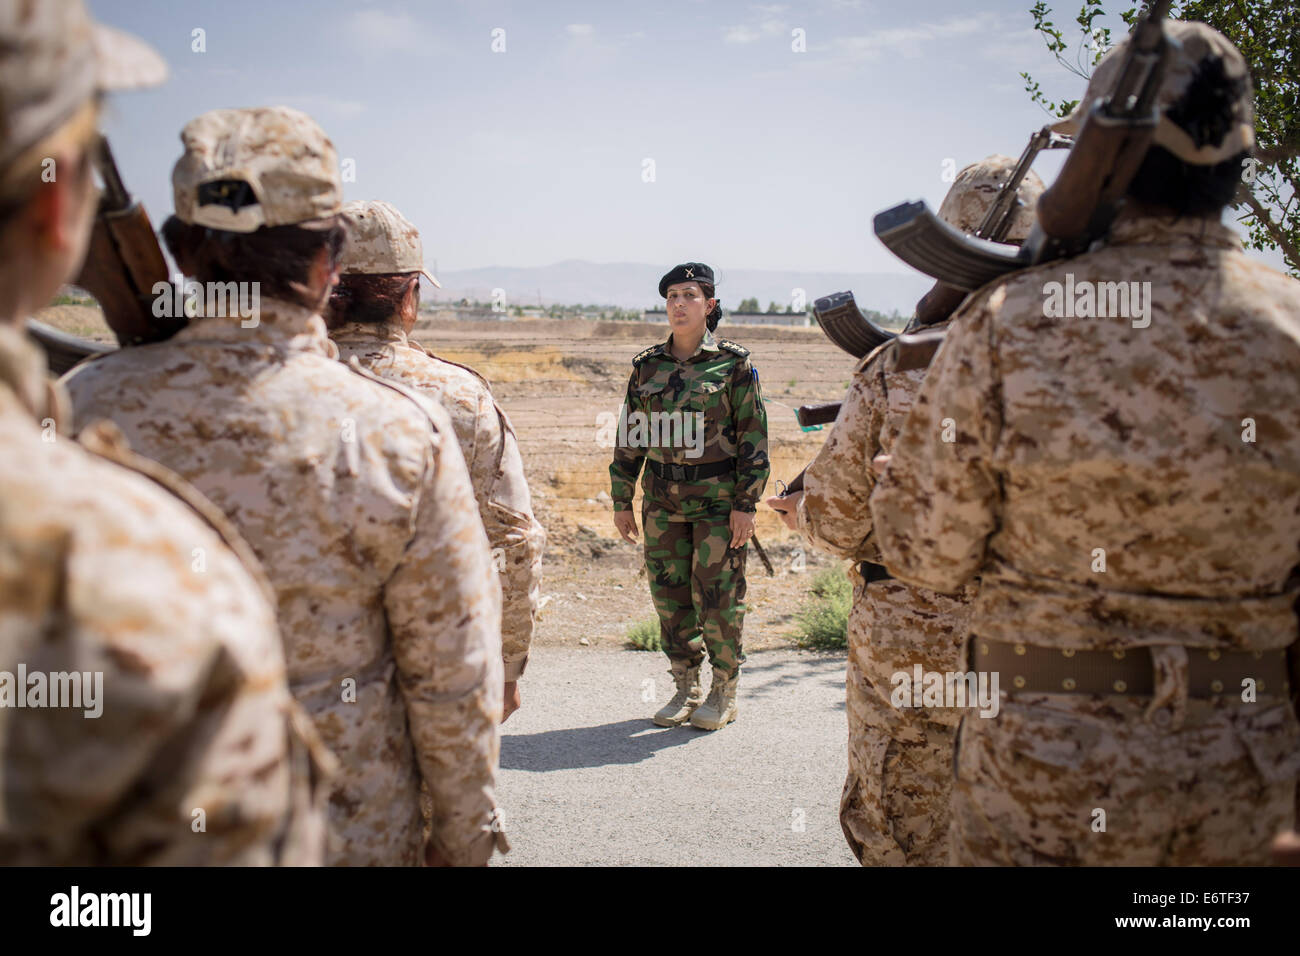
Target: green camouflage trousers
{"type": "Point", "coordinates": [696, 581]}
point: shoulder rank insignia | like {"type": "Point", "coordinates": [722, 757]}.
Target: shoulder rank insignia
{"type": "Point", "coordinates": [733, 347]}
{"type": "Point", "coordinates": [645, 354]}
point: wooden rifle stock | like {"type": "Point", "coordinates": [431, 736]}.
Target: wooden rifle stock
{"type": "Point", "coordinates": [1104, 160]}
{"type": "Point", "coordinates": [1116, 133]}
{"type": "Point", "coordinates": [915, 350]}
{"type": "Point", "coordinates": [124, 263]}
{"type": "Point", "coordinates": [939, 303]}
{"type": "Point", "coordinates": [822, 413]}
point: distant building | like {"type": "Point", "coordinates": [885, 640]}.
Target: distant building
{"type": "Point", "coordinates": [464, 313]}
{"type": "Point", "coordinates": [794, 319]}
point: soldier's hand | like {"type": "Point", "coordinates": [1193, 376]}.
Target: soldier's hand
{"type": "Point", "coordinates": [511, 700]}
{"type": "Point", "coordinates": [1286, 849]}
{"type": "Point", "coordinates": [879, 464]}
{"type": "Point", "coordinates": [625, 523]}
{"type": "Point", "coordinates": [742, 528]}
{"type": "Point", "coordinates": [787, 508]}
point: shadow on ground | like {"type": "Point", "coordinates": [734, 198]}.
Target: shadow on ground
{"type": "Point", "coordinates": [624, 742]}
{"type": "Point", "coordinates": [782, 676]}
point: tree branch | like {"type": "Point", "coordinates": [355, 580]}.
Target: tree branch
{"type": "Point", "coordinates": [1275, 154]}
{"type": "Point", "coordinates": [1290, 251]}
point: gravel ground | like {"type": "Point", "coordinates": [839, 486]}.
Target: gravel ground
{"type": "Point", "coordinates": [586, 778]}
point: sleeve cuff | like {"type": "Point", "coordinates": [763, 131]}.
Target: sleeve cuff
{"type": "Point", "coordinates": [478, 851]}
{"type": "Point", "coordinates": [515, 669]}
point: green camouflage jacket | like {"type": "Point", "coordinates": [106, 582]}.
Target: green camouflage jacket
{"type": "Point", "coordinates": [707, 408]}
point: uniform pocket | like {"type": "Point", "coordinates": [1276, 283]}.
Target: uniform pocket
{"type": "Point", "coordinates": [863, 814]}
{"type": "Point", "coordinates": [650, 397]}
{"type": "Point", "coordinates": [711, 399]}
{"type": "Point", "coordinates": [1048, 736]}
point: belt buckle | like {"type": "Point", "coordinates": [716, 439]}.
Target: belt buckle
{"type": "Point", "coordinates": [676, 473]}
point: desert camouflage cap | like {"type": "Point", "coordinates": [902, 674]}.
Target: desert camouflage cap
{"type": "Point", "coordinates": [247, 168]}
{"type": "Point", "coordinates": [1198, 43]}
{"type": "Point", "coordinates": [381, 241]}
{"type": "Point", "coordinates": [975, 189]}
{"type": "Point", "coordinates": [53, 58]}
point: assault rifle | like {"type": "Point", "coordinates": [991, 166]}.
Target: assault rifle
{"type": "Point", "coordinates": [1078, 208]}
{"type": "Point", "coordinates": [846, 325]}
{"type": "Point", "coordinates": [942, 300]}
{"type": "Point", "coordinates": [123, 265]}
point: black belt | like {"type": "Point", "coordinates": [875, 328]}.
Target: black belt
{"type": "Point", "coordinates": [692, 472]}
{"type": "Point", "coordinates": [873, 572]}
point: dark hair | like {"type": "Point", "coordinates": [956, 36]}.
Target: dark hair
{"type": "Point", "coordinates": [278, 257]}
{"type": "Point", "coordinates": [370, 298]}
{"type": "Point", "coordinates": [715, 316]}
{"type": "Point", "coordinates": [1206, 113]}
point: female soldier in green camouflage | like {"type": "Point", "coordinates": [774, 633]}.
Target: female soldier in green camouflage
{"type": "Point", "coordinates": [695, 415]}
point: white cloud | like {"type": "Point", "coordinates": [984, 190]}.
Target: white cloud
{"type": "Point", "coordinates": [768, 24]}
{"type": "Point", "coordinates": [580, 29]}
{"type": "Point", "coordinates": [740, 35]}
{"type": "Point", "coordinates": [909, 41]}
{"type": "Point", "coordinates": [380, 31]}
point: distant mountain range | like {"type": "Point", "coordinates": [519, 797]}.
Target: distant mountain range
{"type": "Point", "coordinates": [633, 285]}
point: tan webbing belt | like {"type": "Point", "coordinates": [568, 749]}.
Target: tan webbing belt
{"type": "Point", "coordinates": [1053, 670]}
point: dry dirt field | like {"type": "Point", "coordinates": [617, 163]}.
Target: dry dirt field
{"type": "Point", "coordinates": [554, 378]}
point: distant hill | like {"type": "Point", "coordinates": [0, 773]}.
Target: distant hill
{"type": "Point", "coordinates": [632, 285]}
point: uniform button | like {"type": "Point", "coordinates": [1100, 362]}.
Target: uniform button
{"type": "Point", "coordinates": [984, 648]}
{"type": "Point", "coordinates": [1260, 685]}
{"type": "Point", "coordinates": [1120, 686]}
{"type": "Point", "coordinates": [1259, 655]}
{"type": "Point", "coordinates": [1119, 655]}
{"type": "Point", "coordinates": [1018, 681]}
{"type": "Point", "coordinates": [1020, 649]}
{"type": "Point", "coordinates": [1216, 686]}
{"type": "Point", "coordinates": [1214, 655]}
{"type": "Point", "coordinates": [1067, 652]}
{"type": "Point", "coordinates": [1068, 683]}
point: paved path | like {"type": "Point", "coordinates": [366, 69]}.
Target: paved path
{"type": "Point", "coordinates": [586, 778]}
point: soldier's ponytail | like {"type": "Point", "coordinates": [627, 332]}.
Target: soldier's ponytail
{"type": "Point", "coordinates": [715, 316]}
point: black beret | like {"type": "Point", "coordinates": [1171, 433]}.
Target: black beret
{"type": "Point", "coordinates": [686, 272]}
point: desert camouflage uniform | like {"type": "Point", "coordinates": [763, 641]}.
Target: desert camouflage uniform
{"type": "Point", "coordinates": [360, 509]}
{"type": "Point", "coordinates": [496, 468]}
{"type": "Point", "coordinates": [696, 580]}
{"type": "Point", "coordinates": [1072, 435]}
{"type": "Point", "coordinates": [381, 241]}
{"type": "Point", "coordinates": [102, 570]}
{"type": "Point", "coordinates": [894, 807]}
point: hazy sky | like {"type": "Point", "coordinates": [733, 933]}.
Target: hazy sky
{"type": "Point", "coordinates": [763, 157]}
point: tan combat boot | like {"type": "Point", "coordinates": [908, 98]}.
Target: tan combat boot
{"type": "Point", "coordinates": [720, 709]}
{"type": "Point", "coordinates": [688, 697]}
